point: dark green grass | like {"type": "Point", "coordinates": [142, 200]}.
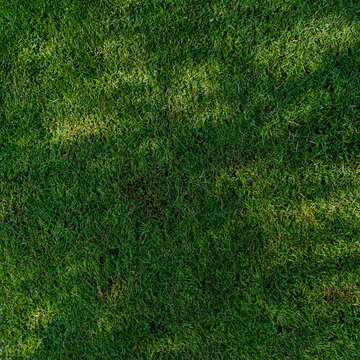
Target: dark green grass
{"type": "Point", "coordinates": [179, 179]}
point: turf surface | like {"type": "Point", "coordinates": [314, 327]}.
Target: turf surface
{"type": "Point", "coordinates": [179, 179]}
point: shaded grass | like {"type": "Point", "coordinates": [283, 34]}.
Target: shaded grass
{"type": "Point", "coordinates": [179, 179]}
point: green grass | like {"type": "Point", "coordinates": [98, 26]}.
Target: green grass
{"type": "Point", "coordinates": [179, 179]}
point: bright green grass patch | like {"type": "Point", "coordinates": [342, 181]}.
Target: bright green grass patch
{"type": "Point", "coordinates": [179, 179]}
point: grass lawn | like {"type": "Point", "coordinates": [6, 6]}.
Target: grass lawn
{"type": "Point", "coordinates": [179, 179]}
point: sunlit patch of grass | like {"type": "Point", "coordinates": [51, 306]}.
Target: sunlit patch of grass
{"type": "Point", "coordinates": [196, 94]}
{"type": "Point", "coordinates": [29, 52]}
{"type": "Point", "coordinates": [167, 347]}
{"type": "Point", "coordinates": [24, 348]}
{"type": "Point", "coordinates": [305, 47]}
{"type": "Point", "coordinates": [127, 59]}
{"type": "Point", "coordinates": [41, 316]}
{"type": "Point", "coordinates": [70, 130]}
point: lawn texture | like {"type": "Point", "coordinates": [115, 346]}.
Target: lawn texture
{"type": "Point", "coordinates": [179, 179]}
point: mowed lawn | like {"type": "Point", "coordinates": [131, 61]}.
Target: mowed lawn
{"type": "Point", "coordinates": [179, 179]}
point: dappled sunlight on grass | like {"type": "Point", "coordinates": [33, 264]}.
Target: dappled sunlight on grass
{"type": "Point", "coordinates": [179, 179]}
{"type": "Point", "coordinates": [167, 346]}
{"type": "Point", "coordinates": [40, 316]}
{"type": "Point", "coordinates": [130, 65]}
{"type": "Point", "coordinates": [304, 48]}
{"type": "Point", "coordinates": [195, 93]}
{"type": "Point", "coordinates": [70, 130]}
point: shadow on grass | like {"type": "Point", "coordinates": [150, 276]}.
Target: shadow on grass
{"type": "Point", "coordinates": [181, 203]}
